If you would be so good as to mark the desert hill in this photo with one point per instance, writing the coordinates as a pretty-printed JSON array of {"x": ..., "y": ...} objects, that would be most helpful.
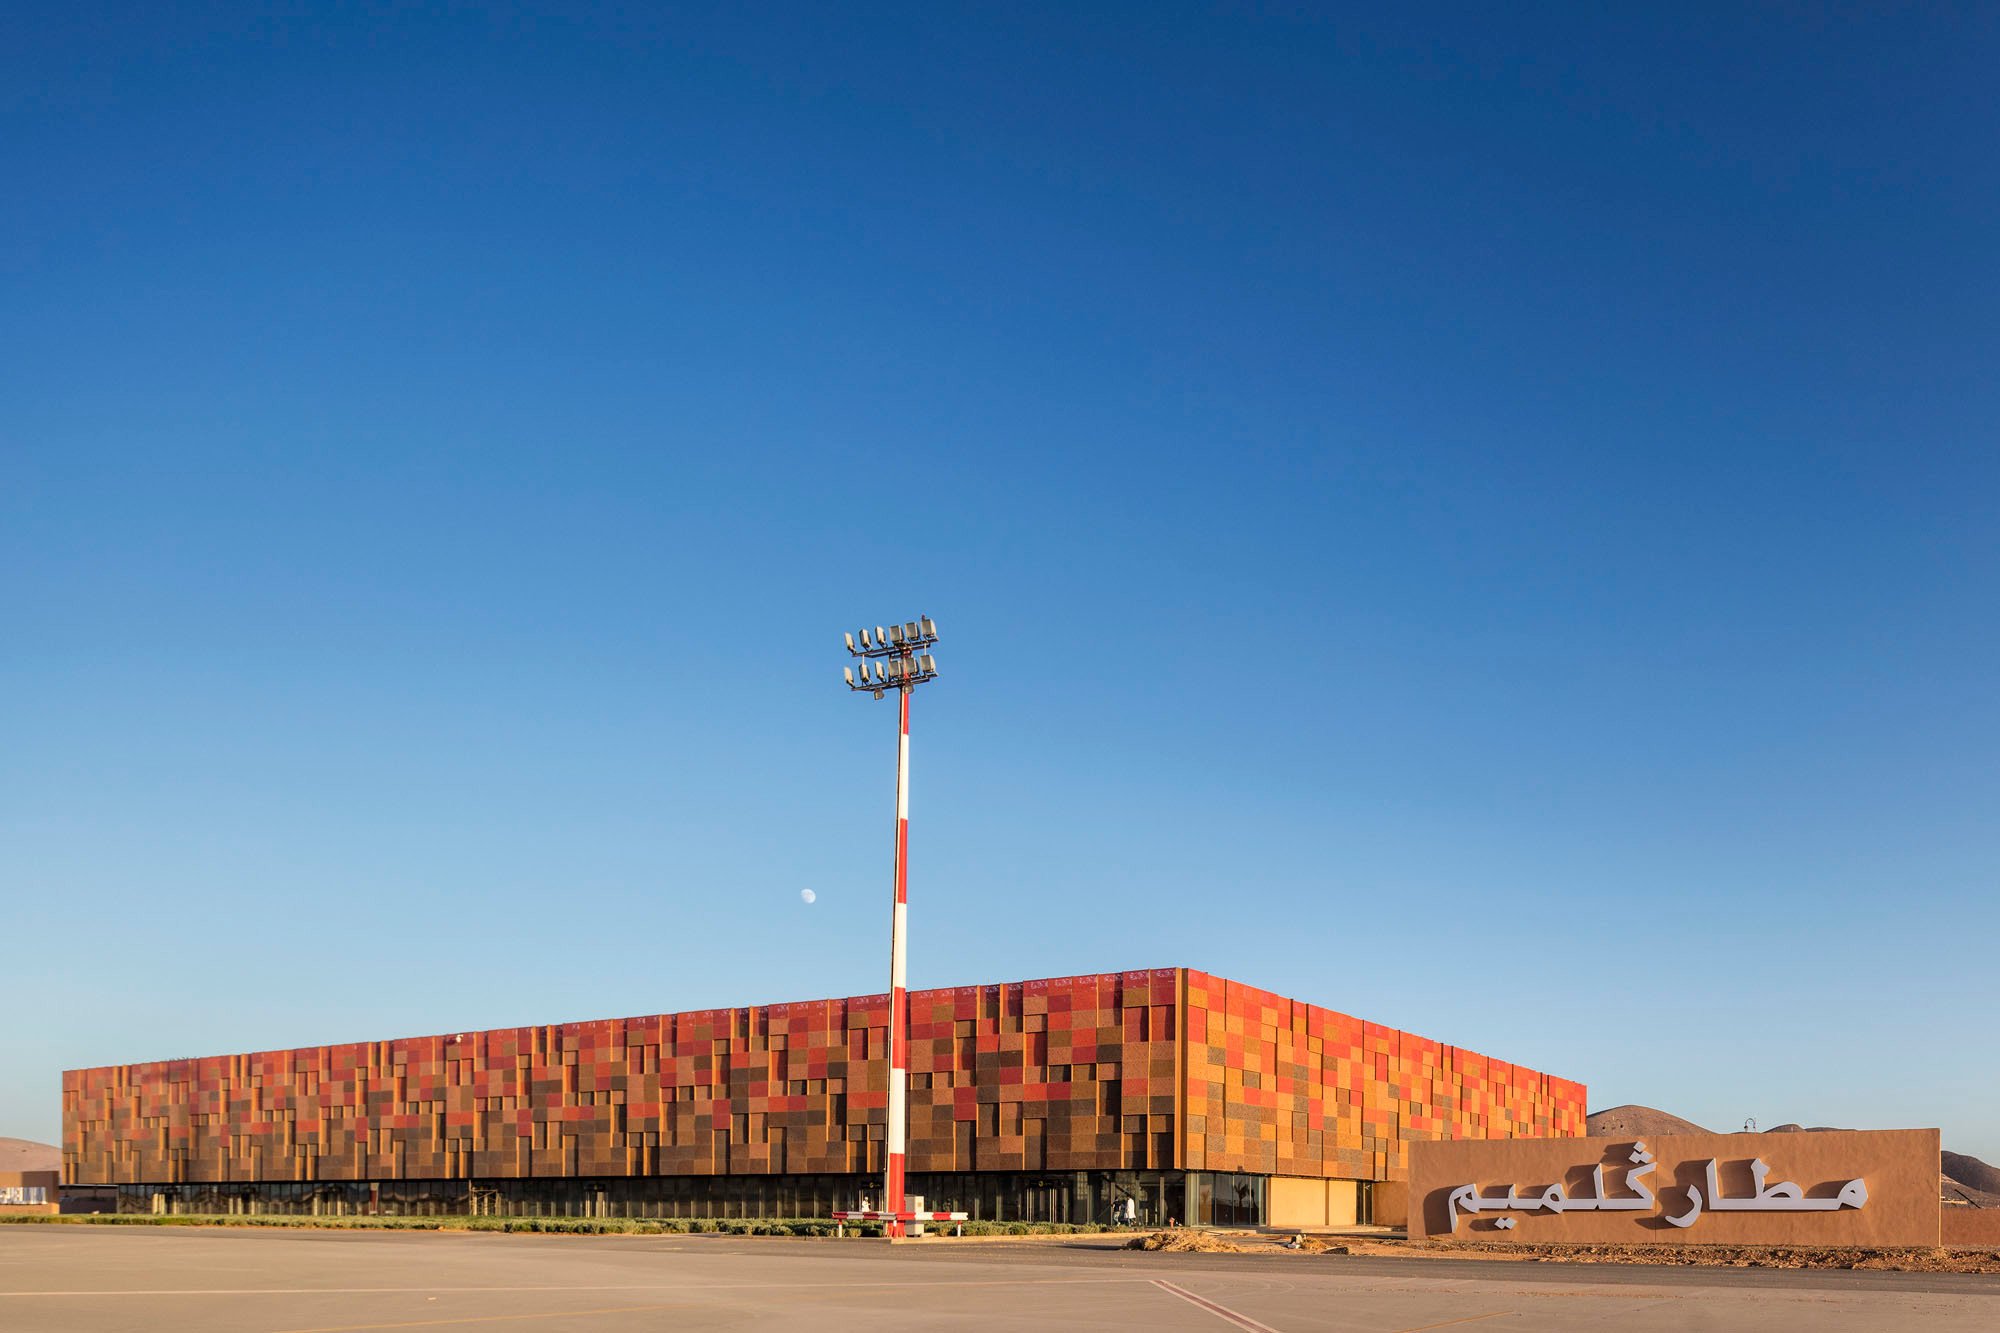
[
  {"x": 1962, "y": 1179},
  {"x": 28, "y": 1155},
  {"x": 1637, "y": 1122},
  {"x": 1972, "y": 1173}
]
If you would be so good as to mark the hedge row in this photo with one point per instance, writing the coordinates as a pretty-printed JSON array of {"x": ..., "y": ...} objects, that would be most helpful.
[{"x": 585, "y": 1226}]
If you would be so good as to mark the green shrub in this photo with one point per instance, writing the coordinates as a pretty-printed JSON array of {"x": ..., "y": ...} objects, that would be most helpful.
[{"x": 587, "y": 1226}]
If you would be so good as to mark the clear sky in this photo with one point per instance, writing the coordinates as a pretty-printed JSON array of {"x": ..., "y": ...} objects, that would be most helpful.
[{"x": 1483, "y": 520}]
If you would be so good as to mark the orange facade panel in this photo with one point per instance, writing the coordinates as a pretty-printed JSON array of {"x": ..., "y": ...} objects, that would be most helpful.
[{"x": 1280, "y": 1087}]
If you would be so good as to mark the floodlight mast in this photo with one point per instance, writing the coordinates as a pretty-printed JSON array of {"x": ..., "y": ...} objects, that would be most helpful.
[{"x": 908, "y": 664}]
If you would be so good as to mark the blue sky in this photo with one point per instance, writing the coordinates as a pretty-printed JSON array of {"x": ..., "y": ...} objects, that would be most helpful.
[{"x": 1484, "y": 521}]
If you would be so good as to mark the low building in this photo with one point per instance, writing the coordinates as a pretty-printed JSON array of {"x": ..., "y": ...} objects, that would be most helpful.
[
  {"x": 29, "y": 1176},
  {"x": 1198, "y": 1098}
]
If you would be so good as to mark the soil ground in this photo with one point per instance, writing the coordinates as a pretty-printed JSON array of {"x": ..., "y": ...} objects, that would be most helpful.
[{"x": 1941, "y": 1260}]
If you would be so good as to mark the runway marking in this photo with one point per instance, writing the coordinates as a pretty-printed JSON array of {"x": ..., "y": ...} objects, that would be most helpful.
[
  {"x": 1469, "y": 1319},
  {"x": 489, "y": 1318},
  {"x": 1223, "y": 1312}
]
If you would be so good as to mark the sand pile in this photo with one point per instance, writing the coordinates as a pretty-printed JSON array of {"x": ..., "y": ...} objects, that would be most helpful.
[{"x": 1181, "y": 1240}]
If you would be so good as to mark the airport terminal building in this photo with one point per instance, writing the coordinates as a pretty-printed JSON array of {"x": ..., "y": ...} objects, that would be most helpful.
[{"x": 1201, "y": 1099}]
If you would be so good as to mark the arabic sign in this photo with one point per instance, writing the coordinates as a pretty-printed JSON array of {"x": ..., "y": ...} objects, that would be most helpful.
[
  {"x": 20, "y": 1195},
  {"x": 1858, "y": 1187},
  {"x": 1783, "y": 1197}
]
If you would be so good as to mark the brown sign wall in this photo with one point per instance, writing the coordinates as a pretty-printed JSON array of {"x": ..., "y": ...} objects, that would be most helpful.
[
  {"x": 1898, "y": 1169},
  {"x": 11, "y": 1182}
]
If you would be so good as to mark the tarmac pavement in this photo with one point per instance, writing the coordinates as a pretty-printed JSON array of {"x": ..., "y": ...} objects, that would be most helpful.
[{"x": 94, "y": 1279}]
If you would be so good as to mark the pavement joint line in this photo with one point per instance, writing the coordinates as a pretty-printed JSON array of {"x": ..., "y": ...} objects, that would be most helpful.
[
  {"x": 1469, "y": 1319},
  {"x": 491, "y": 1318},
  {"x": 591, "y": 1286},
  {"x": 1222, "y": 1312}
]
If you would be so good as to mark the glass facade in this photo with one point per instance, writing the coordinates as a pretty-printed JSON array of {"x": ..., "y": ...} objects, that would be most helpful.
[
  {"x": 1226, "y": 1199},
  {"x": 1201, "y": 1198}
]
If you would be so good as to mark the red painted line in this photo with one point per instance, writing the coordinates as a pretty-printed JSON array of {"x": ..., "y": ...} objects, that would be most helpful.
[{"x": 1222, "y": 1312}]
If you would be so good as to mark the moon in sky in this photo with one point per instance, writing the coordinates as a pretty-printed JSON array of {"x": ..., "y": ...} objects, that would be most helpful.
[{"x": 807, "y": 896}]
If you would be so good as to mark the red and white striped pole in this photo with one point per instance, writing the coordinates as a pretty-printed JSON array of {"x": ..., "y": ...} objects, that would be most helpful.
[
  {"x": 899, "y": 1027},
  {"x": 899, "y": 659}
]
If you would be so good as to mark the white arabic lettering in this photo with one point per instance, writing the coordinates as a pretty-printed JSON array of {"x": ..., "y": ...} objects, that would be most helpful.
[{"x": 1782, "y": 1197}]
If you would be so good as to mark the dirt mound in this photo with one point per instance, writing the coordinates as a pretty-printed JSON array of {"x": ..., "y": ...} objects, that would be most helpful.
[
  {"x": 1636, "y": 1122},
  {"x": 1739, "y": 1256},
  {"x": 1181, "y": 1240},
  {"x": 28, "y": 1155}
]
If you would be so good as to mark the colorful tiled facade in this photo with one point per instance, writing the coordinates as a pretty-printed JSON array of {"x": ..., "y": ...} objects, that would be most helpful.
[
  {"x": 1280, "y": 1087},
  {"x": 1168, "y": 1069}
]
